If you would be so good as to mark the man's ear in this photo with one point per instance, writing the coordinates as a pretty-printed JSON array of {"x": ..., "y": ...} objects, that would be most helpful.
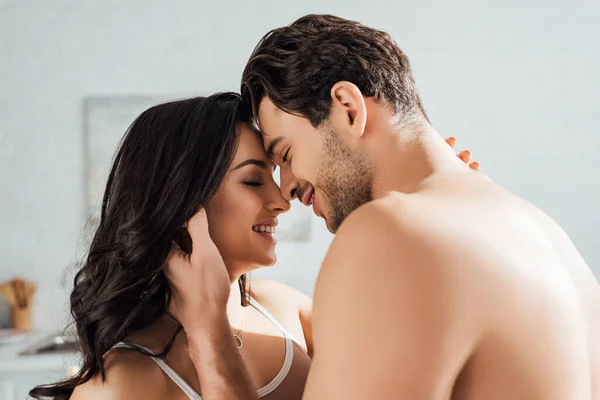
[{"x": 348, "y": 111}]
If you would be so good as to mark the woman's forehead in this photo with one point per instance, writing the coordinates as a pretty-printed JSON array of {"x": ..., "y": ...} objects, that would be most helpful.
[{"x": 251, "y": 144}]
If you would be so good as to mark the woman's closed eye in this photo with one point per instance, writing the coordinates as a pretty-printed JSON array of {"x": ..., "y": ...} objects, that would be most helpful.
[
  {"x": 285, "y": 156},
  {"x": 252, "y": 183}
]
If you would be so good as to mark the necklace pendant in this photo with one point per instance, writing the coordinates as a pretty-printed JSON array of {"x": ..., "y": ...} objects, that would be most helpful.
[{"x": 238, "y": 340}]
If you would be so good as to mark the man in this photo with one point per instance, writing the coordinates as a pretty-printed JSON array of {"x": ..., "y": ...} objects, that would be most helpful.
[{"x": 439, "y": 283}]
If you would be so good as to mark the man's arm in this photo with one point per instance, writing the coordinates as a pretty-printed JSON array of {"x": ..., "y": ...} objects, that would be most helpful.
[
  {"x": 388, "y": 319},
  {"x": 200, "y": 289},
  {"x": 218, "y": 363}
]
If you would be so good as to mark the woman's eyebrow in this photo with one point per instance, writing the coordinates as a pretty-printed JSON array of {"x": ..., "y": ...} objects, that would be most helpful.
[{"x": 252, "y": 161}]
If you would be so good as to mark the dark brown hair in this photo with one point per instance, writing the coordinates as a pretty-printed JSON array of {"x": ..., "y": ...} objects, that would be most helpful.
[
  {"x": 169, "y": 164},
  {"x": 297, "y": 65}
]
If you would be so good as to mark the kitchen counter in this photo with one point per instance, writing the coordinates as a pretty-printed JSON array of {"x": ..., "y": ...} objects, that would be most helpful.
[
  {"x": 20, "y": 373},
  {"x": 11, "y": 361}
]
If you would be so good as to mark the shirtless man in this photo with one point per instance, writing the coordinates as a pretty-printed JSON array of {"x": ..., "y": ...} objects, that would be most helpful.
[{"x": 439, "y": 284}]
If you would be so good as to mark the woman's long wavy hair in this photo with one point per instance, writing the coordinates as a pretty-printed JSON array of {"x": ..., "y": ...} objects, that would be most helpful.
[{"x": 170, "y": 163}]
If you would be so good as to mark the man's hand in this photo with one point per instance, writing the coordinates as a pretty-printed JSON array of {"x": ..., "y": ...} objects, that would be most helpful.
[
  {"x": 200, "y": 289},
  {"x": 199, "y": 281},
  {"x": 464, "y": 155}
]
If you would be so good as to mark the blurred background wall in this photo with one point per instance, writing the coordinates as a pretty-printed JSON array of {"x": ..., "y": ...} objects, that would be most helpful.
[{"x": 516, "y": 82}]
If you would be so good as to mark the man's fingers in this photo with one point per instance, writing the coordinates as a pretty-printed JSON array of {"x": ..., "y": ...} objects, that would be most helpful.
[
  {"x": 465, "y": 155},
  {"x": 197, "y": 227},
  {"x": 451, "y": 141},
  {"x": 175, "y": 254},
  {"x": 475, "y": 165},
  {"x": 175, "y": 258},
  {"x": 198, "y": 220}
]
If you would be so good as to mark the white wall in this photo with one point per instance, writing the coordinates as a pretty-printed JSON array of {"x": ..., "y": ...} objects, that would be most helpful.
[{"x": 516, "y": 82}]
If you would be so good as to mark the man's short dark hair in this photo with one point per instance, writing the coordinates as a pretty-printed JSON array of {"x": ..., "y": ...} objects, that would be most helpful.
[{"x": 297, "y": 65}]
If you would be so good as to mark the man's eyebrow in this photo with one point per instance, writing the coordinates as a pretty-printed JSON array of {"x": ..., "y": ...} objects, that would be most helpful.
[
  {"x": 252, "y": 161},
  {"x": 272, "y": 145}
]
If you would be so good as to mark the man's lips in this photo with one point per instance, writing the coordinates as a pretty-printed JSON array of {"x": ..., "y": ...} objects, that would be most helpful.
[
  {"x": 315, "y": 205},
  {"x": 306, "y": 196},
  {"x": 309, "y": 198}
]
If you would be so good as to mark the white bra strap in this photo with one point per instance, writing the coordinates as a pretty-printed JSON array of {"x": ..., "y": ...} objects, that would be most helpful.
[
  {"x": 289, "y": 350},
  {"x": 283, "y": 372},
  {"x": 167, "y": 370},
  {"x": 287, "y": 363},
  {"x": 271, "y": 318}
]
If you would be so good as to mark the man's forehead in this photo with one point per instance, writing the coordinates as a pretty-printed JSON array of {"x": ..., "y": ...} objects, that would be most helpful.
[
  {"x": 268, "y": 113},
  {"x": 270, "y": 145},
  {"x": 269, "y": 137}
]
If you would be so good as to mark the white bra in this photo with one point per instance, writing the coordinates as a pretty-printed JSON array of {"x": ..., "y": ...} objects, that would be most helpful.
[{"x": 270, "y": 387}]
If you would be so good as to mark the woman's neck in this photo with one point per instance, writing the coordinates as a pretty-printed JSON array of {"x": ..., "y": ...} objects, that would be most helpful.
[{"x": 234, "y": 305}]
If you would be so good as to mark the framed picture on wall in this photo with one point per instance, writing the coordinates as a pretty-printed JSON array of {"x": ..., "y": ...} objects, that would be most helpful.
[{"x": 106, "y": 119}]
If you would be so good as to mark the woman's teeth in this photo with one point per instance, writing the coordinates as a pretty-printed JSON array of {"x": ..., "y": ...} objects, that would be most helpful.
[{"x": 264, "y": 229}]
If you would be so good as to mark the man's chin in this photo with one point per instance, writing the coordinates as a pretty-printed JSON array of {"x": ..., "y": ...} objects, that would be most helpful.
[
  {"x": 330, "y": 227},
  {"x": 334, "y": 222}
]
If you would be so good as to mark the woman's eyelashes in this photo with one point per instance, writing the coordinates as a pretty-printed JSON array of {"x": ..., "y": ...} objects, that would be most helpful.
[
  {"x": 285, "y": 156},
  {"x": 253, "y": 182}
]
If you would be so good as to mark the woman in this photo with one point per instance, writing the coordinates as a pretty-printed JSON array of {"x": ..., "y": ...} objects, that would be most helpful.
[{"x": 175, "y": 159}]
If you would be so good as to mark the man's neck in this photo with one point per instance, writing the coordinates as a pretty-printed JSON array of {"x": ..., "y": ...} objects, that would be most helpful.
[{"x": 405, "y": 157}]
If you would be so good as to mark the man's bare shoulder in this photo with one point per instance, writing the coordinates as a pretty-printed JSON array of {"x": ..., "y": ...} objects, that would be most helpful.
[
  {"x": 390, "y": 237},
  {"x": 397, "y": 220},
  {"x": 129, "y": 374},
  {"x": 385, "y": 278},
  {"x": 396, "y": 239},
  {"x": 398, "y": 212}
]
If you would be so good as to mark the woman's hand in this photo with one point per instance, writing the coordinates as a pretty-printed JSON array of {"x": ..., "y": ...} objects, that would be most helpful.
[
  {"x": 199, "y": 281},
  {"x": 464, "y": 155}
]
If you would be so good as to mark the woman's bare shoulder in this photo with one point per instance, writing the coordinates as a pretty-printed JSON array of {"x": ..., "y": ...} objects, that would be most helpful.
[
  {"x": 276, "y": 296},
  {"x": 129, "y": 374},
  {"x": 282, "y": 300}
]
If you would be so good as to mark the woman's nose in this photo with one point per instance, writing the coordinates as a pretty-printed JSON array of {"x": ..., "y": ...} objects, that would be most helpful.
[{"x": 279, "y": 205}]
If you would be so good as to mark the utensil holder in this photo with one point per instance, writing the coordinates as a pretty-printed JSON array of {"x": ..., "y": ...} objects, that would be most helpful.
[{"x": 21, "y": 318}]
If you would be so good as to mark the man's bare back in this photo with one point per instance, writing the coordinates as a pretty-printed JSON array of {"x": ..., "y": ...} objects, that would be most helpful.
[{"x": 518, "y": 306}]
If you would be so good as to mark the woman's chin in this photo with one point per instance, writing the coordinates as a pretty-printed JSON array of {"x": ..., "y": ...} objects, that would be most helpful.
[{"x": 268, "y": 260}]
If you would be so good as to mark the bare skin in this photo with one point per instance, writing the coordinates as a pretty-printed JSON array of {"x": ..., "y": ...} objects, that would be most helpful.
[{"x": 445, "y": 286}]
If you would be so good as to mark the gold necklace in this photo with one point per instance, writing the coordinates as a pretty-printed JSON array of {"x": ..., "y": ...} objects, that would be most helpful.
[{"x": 238, "y": 338}]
